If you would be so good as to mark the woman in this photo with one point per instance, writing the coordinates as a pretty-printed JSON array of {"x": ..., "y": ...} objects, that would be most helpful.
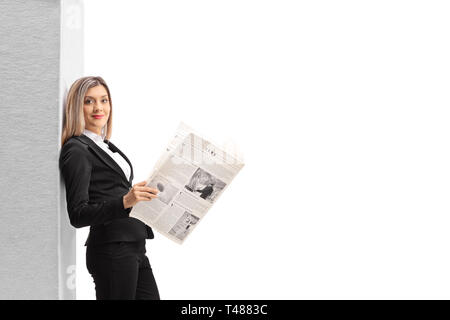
[{"x": 99, "y": 193}]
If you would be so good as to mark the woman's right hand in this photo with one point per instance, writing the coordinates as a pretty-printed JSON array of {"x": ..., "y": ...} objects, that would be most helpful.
[{"x": 139, "y": 192}]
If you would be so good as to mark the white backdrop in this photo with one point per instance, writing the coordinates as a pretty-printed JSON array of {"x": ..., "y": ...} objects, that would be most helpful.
[{"x": 341, "y": 110}]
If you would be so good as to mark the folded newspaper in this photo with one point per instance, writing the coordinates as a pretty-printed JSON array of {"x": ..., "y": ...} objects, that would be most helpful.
[{"x": 190, "y": 176}]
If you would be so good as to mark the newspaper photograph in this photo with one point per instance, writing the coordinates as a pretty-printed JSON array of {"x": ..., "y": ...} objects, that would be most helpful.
[{"x": 190, "y": 176}]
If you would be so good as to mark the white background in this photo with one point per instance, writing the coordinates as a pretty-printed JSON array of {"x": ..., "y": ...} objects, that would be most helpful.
[{"x": 341, "y": 109}]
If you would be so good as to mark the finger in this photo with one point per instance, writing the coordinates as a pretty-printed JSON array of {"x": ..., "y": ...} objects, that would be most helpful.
[
  {"x": 140, "y": 184},
  {"x": 147, "y": 189},
  {"x": 147, "y": 195},
  {"x": 152, "y": 190}
]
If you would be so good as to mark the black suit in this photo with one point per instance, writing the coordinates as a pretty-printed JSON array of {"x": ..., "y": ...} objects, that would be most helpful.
[{"x": 95, "y": 186}]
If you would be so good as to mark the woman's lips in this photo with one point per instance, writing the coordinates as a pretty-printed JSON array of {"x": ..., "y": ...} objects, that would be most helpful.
[{"x": 98, "y": 117}]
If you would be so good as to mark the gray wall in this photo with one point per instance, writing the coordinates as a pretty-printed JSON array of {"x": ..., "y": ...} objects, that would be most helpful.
[{"x": 41, "y": 54}]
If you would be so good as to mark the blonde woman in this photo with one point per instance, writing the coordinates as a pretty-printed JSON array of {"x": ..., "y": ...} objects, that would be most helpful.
[{"x": 99, "y": 193}]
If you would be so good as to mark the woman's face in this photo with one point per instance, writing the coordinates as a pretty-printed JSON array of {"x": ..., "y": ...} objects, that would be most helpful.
[{"x": 96, "y": 109}]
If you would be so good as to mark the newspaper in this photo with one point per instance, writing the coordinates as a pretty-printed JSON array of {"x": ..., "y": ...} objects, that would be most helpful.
[{"x": 191, "y": 174}]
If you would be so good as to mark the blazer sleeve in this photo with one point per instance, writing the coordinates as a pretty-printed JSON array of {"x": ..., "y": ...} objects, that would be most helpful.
[{"x": 76, "y": 170}]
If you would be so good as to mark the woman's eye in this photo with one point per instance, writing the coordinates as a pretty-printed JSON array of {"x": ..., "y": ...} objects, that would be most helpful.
[{"x": 89, "y": 101}]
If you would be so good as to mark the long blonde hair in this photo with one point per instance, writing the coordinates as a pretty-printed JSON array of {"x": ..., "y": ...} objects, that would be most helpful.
[{"x": 73, "y": 122}]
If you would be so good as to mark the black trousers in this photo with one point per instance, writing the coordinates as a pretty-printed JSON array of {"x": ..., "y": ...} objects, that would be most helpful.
[{"x": 121, "y": 270}]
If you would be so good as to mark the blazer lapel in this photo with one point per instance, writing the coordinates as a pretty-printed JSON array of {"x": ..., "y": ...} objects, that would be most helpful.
[
  {"x": 113, "y": 148},
  {"x": 106, "y": 157}
]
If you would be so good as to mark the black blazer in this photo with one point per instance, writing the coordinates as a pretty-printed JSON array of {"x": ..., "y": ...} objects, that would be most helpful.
[{"x": 95, "y": 186}]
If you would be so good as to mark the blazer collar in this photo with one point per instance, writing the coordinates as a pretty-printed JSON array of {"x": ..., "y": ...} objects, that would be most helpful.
[{"x": 106, "y": 158}]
